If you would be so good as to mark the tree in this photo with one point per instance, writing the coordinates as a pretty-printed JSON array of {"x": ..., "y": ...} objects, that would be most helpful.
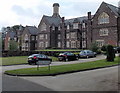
[
  {"x": 110, "y": 53},
  {"x": 13, "y": 45}
]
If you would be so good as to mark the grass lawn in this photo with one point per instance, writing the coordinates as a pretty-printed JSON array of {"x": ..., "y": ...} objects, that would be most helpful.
[
  {"x": 17, "y": 60},
  {"x": 64, "y": 68}
]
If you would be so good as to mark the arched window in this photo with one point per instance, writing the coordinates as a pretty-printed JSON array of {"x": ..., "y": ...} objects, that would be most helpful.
[{"x": 103, "y": 18}]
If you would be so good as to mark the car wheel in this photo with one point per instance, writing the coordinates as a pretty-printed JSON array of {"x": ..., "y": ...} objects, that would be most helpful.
[
  {"x": 87, "y": 56},
  {"x": 66, "y": 59},
  {"x": 30, "y": 63}
]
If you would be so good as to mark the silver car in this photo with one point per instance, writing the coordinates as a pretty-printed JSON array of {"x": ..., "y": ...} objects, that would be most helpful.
[{"x": 87, "y": 53}]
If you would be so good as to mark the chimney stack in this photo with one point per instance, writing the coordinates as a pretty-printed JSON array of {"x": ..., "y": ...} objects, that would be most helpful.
[
  {"x": 89, "y": 15},
  {"x": 56, "y": 9}
]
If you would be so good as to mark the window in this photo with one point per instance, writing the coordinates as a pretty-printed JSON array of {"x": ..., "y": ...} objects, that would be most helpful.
[
  {"x": 41, "y": 44},
  {"x": 83, "y": 35},
  {"x": 103, "y": 32},
  {"x": 83, "y": 44},
  {"x": 67, "y": 36},
  {"x": 33, "y": 37},
  {"x": 68, "y": 27},
  {"x": 103, "y": 18},
  {"x": 46, "y": 44},
  {"x": 59, "y": 28},
  {"x": 75, "y": 26},
  {"x": 26, "y": 37},
  {"x": 100, "y": 43},
  {"x": 68, "y": 44},
  {"x": 73, "y": 35},
  {"x": 43, "y": 27},
  {"x": 59, "y": 36},
  {"x": 83, "y": 25},
  {"x": 73, "y": 44},
  {"x": 46, "y": 36},
  {"x": 41, "y": 36},
  {"x": 59, "y": 44}
]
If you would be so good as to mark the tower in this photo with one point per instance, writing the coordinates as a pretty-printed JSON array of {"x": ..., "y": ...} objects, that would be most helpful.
[{"x": 55, "y": 10}]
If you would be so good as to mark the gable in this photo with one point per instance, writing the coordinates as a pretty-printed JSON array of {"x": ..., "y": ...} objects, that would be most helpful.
[{"x": 108, "y": 8}]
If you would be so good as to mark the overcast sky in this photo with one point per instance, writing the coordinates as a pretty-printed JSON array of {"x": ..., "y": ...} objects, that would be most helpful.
[{"x": 30, "y": 12}]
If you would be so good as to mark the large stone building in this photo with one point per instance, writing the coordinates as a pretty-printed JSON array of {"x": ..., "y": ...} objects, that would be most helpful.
[
  {"x": 56, "y": 32},
  {"x": 103, "y": 28},
  {"x": 78, "y": 33}
]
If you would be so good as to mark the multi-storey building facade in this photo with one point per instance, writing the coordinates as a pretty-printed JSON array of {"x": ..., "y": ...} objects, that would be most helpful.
[
  {"x": 104, "y": 26},
  {"x": 56, "y": 32},
  {"x": 29, "y": 38}
]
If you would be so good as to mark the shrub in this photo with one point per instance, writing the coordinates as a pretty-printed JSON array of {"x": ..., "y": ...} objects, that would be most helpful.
[
  {"x": 94, "y": 47},
  {"x": 104, "y": 48},
  {"x": 110, "y": 53}
]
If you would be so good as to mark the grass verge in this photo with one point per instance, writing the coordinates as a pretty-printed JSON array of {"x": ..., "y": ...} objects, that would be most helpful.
[
  {"x": 63, "y": 68},
  {"x": 17, "y": 60},
  {"x": 60, "y": 50}
]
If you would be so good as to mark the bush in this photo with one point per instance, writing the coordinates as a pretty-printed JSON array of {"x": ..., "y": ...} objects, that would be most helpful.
[
  {"x": 104, "y": 48},
  {"x": 110, "y": 53},
  {"x": 94, "y": 47}
]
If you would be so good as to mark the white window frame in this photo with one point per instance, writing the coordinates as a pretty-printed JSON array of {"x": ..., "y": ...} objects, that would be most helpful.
[
  {"x": 68, "y": 44},
  {"x": 68, "y": 27},
  {"x": 67, "y": 35},
  {"x": 41, "y": 36},
  {"x": 100, "y": 43},
  {"x": 59, "y": 36},
  {"x": 75, "y": 26},
  {"x": 103, "y": 18},
  {"x": 73, "y": 34},
  {"x": 43, "y": 27},
  {"x": 104, "y": 32},
  {"x": 59, "y": 44},
  {"x": 26, "y": 37}
]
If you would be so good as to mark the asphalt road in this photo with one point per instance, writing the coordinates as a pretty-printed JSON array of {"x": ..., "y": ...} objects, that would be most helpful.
[{"x": 95, "y": 80}]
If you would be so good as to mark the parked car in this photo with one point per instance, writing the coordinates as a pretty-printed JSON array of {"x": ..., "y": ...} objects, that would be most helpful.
[
  {"x": 34, "y": 58},
  {"x": 117, "y": 49},
  {"x": 67, "y": 56},
  {"x": 87, "y": 53}
]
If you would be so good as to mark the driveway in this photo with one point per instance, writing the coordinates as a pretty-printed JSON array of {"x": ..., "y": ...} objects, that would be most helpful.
[{"x": 4, "y": 68}]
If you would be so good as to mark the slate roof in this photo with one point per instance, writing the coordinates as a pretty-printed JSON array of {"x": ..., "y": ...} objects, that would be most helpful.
[
  {"x": 32, "y": 30},
  {"x": 113, "y": 8},
  {"x": 73, "y": 20},
  {"x": 52, "y": 20}
]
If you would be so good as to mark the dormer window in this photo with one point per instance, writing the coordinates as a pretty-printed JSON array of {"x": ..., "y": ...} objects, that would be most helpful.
[
  {"x": 43, "y": 27},
  {"x": 75, "y": 26},
  {"x": 103, "y": 18}
]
